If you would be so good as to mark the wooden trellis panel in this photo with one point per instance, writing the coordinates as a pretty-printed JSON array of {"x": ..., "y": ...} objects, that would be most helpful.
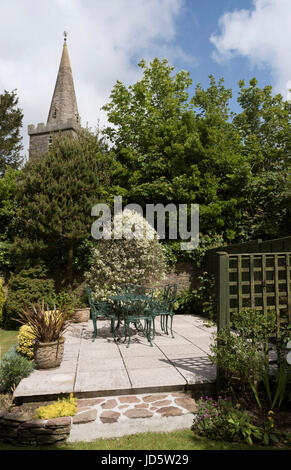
[{"x": 261, "y": 281}]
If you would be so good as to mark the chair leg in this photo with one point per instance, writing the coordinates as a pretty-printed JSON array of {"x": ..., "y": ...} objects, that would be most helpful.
[
  {"x": 171, "y": 327},
  {"x": 166, "y": 324},
  {"x": 94, "y": 328},
  {"x": 154, "y": 328},
  {"x": 162, "y": 322},
  {"x": 124, "y": 332},
  {"x": 148, "y": 330},
  {"x": 112, "y": 329},
  {"x": 129, "y": 336}
]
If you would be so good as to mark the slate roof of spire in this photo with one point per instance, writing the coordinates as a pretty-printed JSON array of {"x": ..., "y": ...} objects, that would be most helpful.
[{"x": 64, "y": 103}]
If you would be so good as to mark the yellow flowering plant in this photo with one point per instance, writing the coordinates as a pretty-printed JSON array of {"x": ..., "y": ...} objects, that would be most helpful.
[{"x": 60, "y": 408}]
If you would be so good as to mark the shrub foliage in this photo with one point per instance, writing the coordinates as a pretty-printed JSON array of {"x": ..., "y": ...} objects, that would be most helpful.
[{"x": 137, "y": 261}]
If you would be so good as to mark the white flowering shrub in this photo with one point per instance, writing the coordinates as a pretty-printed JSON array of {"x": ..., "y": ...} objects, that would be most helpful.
[{"x": 136, "y": 257}]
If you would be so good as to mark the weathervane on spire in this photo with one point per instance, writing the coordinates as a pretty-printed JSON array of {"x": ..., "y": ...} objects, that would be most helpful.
[{"x": 65, "y": 35}]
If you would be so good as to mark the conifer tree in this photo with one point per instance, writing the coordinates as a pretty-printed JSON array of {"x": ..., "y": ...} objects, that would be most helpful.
[
  {"x": 10, "y": 125},
  {"x": 57, "y": 192}
]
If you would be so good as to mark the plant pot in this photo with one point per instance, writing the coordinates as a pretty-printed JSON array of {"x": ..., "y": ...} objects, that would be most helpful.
[
  {"x": 81, "y": 315},
  {"x": 49, "y": 355}
]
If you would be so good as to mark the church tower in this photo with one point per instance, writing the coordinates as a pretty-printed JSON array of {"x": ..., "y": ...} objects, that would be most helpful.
[{"x": 63, "y": 114}]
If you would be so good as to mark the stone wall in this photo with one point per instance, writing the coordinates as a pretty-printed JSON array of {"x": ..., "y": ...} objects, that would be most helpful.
[
  {"x": 22, "y": 429},
  {"x": 184, "y": 274},
  {"x": 39, "y": 143},
  {"x": 96, "y": 418}
]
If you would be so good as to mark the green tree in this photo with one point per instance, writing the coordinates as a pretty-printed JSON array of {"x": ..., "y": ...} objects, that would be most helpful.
[
  {"x": 8, "y": 216},
  {"x": 8, "y": 212},
  {"x": 152, "y": 134},
  {"x": 264, "y": 125},
  {"x": 220, "y": 162},
  {"x": 173, "y": 148},
  {"x": 10, "y": 125},
  {"x": 56, "y": 194},
  {"x": 170, "y": 148}
]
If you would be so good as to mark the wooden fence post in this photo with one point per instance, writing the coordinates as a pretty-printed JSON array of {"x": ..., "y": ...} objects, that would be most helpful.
[
  {"x": 222, "y": 290},
  {"x": 222, "y": 286}
]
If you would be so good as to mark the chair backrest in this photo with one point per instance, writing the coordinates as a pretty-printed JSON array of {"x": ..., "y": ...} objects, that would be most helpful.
[
  {"x": 171, "y": 296},
  {"x": 166, "y": 292},
  {"x": 89, "y": 295},
  {"x": 125, "y": 288},
  {"x": 135, "y": 289},
  {"x": 143, "y": 290}
]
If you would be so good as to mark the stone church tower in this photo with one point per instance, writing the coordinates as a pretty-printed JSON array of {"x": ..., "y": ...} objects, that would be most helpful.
[{"x": 63, "y": 114}]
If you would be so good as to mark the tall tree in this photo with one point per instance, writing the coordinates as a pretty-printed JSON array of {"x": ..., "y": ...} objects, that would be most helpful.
[
  {"x": 57, "y": 192},
  {"x": 151, "y": 133},
  {"x": 265, "y": 128},
  {"x": 171, "y": 148},
  {"x": 8, "y": 205},
  {"x": 10, "y": 124}
]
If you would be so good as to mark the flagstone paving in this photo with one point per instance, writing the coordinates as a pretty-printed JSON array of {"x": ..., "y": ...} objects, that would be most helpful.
[
  {"x": 104, "y": 368},
  {"x": 116, "y": 416}
]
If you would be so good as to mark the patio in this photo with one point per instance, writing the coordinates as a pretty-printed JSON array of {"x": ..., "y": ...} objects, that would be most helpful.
[{"x": 105, "y": 368}]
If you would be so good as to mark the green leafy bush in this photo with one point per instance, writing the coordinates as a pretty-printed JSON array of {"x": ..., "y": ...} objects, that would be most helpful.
[
  {"x": 2, "y": 301},
  {"x": 13, "y": 368},
  {"x": 77, "y": 298},
  {"x": 243, "y": 356},
  {"x": 136, "y": 260},
  {"x": 220, "y": 420},
  {"x": 174, "y": 254},
  {"x": 6, "y": 260},
  {"x": 201, "y": 301},
  {"x": 25, "y": 288},
  {"x": 204, "y": 298}
]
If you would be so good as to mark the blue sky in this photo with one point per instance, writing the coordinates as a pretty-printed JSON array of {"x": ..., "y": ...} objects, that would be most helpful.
[
  {"x": 233, "y": 39},
  {"x": 195, "y": 26}
]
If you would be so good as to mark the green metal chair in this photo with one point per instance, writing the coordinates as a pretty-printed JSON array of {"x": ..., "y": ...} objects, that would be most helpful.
[
  {"x": 98, "y": 310},
  {"x": 136, "y": 311},
  {"x": 165, "y": 309},
  {"x": 135, "y": 289}
]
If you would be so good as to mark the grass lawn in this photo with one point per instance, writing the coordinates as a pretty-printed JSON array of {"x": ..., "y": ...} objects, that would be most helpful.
[
  {"x": 7, "y": 339},
  {"x": 178, "y": 440}
]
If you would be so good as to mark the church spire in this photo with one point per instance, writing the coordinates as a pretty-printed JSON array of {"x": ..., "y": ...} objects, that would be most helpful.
[{"x": 64, "y": 103}]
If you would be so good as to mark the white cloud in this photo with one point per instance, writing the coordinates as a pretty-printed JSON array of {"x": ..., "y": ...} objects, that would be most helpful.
[
  {"x": 263, "y": 35},
  {"x": 105, "y": 36}
]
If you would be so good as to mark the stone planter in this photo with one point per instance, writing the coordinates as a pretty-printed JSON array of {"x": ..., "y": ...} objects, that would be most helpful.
[
  {"x": 81, "y": 315},
  {"x": 49, "y": 355}
]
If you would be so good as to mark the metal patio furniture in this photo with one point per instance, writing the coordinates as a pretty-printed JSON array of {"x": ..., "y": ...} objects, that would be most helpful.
[
  {"x": 164, "y": 308},
  {"x": 133, "y": 306},
  {"x": 98, "y": 310},
  {"x": 138, "y": 313}
]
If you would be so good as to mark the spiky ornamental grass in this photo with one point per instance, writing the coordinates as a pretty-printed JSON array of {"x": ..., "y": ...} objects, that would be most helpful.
[{"x": 46, "y": 325}]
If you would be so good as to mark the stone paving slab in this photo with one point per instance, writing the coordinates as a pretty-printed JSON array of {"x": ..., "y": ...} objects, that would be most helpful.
[
  {"x": 152, "y": 362},
  {"x": 103, "y": 367},
  {"x": 151, "y": 378},
  {"x": 109, "y": 380},
  {"x": 115, "y": 416}
]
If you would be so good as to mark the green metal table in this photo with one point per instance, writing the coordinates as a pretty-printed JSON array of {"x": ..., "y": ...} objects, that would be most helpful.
[{"x": 132, "y": 308}]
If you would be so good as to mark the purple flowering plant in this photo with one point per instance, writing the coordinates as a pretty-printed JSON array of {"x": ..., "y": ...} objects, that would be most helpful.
[
  {"x": 210, "y": 415},
  {"x": 221, "y": 420}
]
